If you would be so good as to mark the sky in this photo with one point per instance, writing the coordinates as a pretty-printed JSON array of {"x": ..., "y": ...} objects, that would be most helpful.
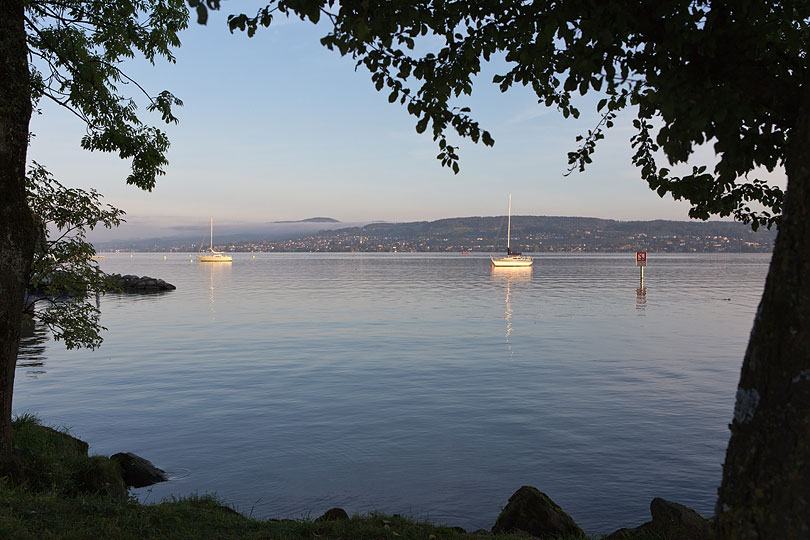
[{"x": 277, "y": 127}]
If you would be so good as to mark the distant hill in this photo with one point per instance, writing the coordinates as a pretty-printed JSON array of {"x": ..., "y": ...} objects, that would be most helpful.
[
  {"x": 312, "y": 220},
  {"x": 532, "y": 234},
  {"x": 188, "y": 236}
]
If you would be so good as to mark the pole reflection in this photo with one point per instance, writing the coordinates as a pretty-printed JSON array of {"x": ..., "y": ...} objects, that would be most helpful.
[{"x": 641, "y": 300}]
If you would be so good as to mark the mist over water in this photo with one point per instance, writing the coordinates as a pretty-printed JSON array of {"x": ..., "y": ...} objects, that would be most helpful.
[{"x": 424, "y": 385}]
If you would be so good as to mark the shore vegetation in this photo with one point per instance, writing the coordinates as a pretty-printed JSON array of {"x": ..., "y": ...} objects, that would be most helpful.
[{"x": 60, "y": 492}]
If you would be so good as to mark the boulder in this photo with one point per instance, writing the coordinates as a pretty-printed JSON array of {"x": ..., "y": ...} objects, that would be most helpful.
[
  {"x": 61, "y": 442},
  {"x": 138, "y": 472},
  {"x": 670, "y": 520},
  {"x": 139, "y": 284},
  {"x": 99, "y": 475},
  {"x": 227, "y": 509},
  {"x": 334, "y": 514},
  {"x": 532, "y": 511}
]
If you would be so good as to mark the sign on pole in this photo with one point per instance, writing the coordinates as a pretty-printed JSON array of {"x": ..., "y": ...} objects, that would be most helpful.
[{"x": 641, "y": 258}]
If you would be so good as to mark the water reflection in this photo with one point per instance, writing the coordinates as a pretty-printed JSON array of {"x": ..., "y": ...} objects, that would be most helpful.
[
  {"x": 215, "y": 272},
  {"x": 641, "y": 299},
  {"x": 315, "y": 342},
  {"x": 508, "y": 276},
  {"x": 31, "y": 354}
]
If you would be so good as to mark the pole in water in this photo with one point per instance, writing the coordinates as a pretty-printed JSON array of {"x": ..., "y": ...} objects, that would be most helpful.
[{"x": 641, "y": 262}]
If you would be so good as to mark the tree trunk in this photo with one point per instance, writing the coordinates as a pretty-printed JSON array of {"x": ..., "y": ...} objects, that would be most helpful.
[
  {"x": 17, "y": 232},
  {"x": 765, "y": 492}
]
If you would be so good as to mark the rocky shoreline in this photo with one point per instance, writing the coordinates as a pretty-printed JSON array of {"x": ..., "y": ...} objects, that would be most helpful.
[
  {"x": 532, "y": 511},
  {"x": 529, "y": 512},
  {"x": 130, "y": 283}
]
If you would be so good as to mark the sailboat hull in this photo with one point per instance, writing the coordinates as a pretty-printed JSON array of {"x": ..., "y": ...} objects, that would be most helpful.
[
  {"x": 514, "y": 261},
  {"x": 214, "y": 258}
]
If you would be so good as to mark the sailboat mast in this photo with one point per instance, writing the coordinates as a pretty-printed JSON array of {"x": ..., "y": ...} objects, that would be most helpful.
[
  {"x": 212, "y": 234},
  {"x": 509, "y": 223}
]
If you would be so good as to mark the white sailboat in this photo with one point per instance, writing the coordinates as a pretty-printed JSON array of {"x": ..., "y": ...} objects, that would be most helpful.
[
  {"x": 512, "y": 258},
  {"x": 210, "y": 255}
]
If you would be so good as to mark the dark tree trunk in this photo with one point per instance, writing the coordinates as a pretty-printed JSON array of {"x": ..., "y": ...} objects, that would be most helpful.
[
  {"x": 765, "y": 492},
  {"x": 17, "y": 233}
]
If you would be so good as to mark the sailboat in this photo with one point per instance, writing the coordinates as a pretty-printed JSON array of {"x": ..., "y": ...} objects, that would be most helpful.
[
  {"x": 210, "y": 255},
  {"x": 512, "y": 258}
]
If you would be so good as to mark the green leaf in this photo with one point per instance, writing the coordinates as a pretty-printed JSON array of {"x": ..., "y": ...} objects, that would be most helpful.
[
  {"x": 202, "y": 14},
  {"x": 421, "y": 125}
]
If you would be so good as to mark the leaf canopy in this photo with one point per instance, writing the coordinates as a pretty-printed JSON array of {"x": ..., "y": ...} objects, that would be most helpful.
[
  {"x": 76, "y": 49},
  {"x": 64, "y": 273}
]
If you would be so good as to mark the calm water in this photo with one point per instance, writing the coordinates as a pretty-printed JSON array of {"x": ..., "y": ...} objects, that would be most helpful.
[{"x": 430, "y": 386}]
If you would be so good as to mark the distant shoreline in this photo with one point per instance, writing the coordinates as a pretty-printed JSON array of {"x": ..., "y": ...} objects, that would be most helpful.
[{"x": 529, "y": 234}]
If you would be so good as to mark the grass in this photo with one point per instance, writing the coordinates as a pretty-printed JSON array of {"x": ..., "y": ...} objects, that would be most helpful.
[
  {"x": 54, "y": 461},
  {"x": 43, "y": 516},
  {"x": 65, "y": 494}
]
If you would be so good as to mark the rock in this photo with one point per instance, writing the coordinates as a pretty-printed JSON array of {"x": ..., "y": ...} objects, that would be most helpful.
[
  {"x": 670, "y": 520},
  {"x": 334, "y": 514},
  {"x": 138, "y": 472},
  {"x": 100, "y": 476},
  {"x": 145, "y": 284},
  {"x": 62, "y": 442},
  {"x": 532, "y": 511},
  {"x": 227, "y": 509},
  {"x": 671, "y": 516}
]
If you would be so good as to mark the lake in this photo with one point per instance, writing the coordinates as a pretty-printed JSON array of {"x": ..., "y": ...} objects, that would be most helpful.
[{"x": 431, "y": 386}]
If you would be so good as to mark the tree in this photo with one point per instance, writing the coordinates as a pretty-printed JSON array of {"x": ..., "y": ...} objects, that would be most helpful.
[
  {"x": 731, "y": 74},
  {"x": 64, "y": 272},
  {"x": 70, "y": 52}
]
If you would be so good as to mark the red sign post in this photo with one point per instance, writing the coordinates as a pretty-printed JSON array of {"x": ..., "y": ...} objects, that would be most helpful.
[{"x": 641, "y": 262}]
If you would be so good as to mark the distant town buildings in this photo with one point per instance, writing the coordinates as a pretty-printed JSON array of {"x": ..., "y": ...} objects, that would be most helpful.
[
  {"x": 534, "y": 234},
  {"x": 356, "y": 242}
]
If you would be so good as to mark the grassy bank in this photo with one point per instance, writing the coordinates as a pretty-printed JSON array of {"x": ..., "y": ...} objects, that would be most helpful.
[
  {"x": 58, "y": 492},
  {"x": 25, "y": 515}
]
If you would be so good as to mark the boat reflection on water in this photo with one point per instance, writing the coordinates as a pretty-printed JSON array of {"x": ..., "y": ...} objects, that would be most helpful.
[
  {"x": 31, "y": 353},
  {"x": 509, "y": 276},
  {"x": 216, "y": 273}
]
